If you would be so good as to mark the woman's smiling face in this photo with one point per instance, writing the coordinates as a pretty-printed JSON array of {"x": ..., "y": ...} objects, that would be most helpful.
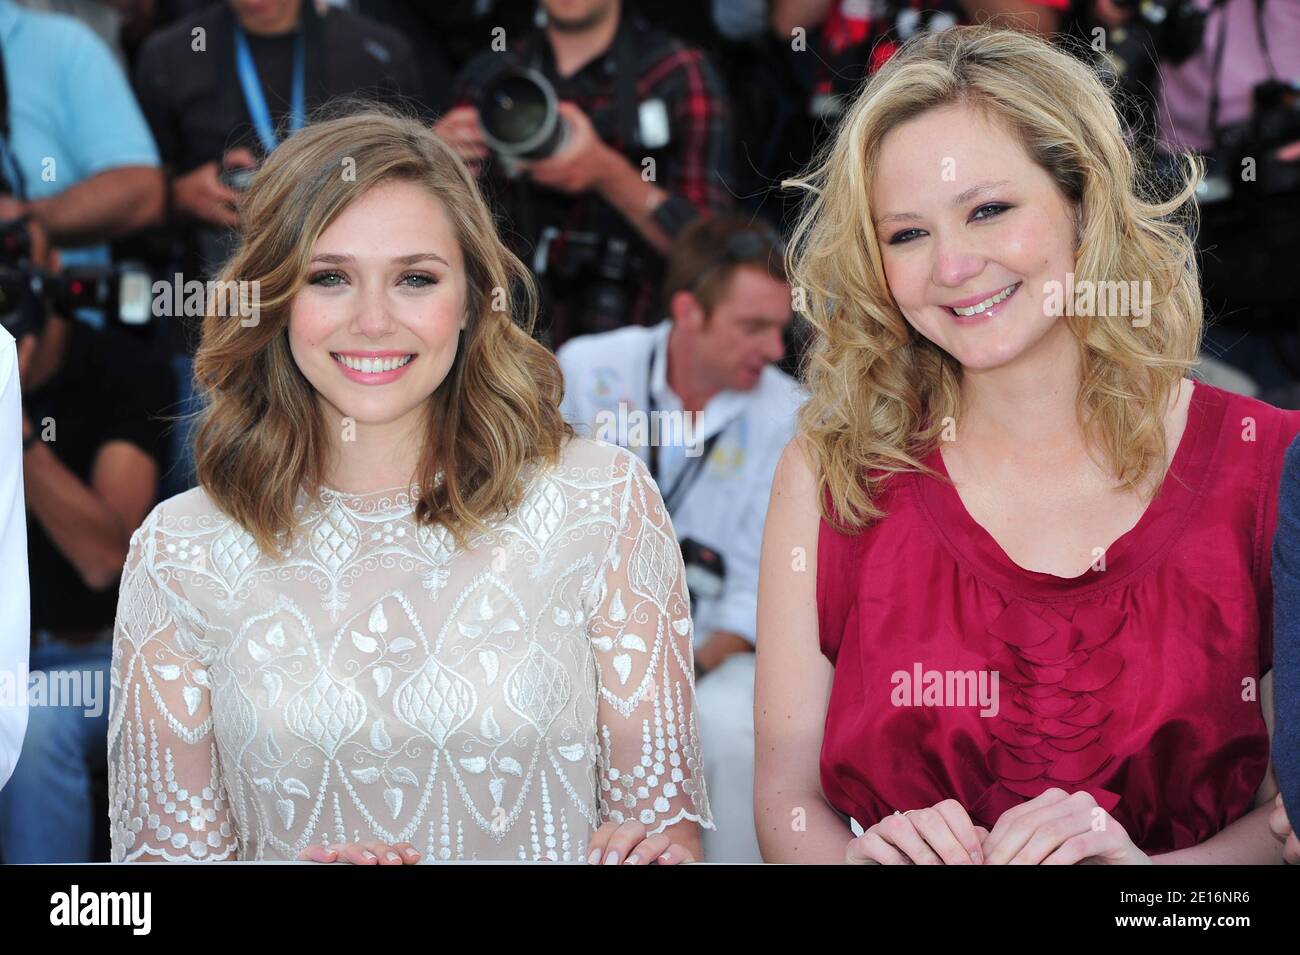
[
  {"x": 971, "y": 231},
  {"x": 376, "y": 326}
]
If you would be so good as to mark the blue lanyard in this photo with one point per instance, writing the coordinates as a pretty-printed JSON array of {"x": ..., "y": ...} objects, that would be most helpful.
[{"x": 256, "y": 100}]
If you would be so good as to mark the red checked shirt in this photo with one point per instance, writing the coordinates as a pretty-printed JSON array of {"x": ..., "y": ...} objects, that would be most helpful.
[{"x": 692, "y": 166}]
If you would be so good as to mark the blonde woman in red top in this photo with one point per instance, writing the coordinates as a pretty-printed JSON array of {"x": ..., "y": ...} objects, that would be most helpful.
[{"x": 1014, "y": 600}]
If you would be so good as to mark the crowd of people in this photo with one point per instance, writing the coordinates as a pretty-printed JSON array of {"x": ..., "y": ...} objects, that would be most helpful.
[{"x": 601, "y": 494}]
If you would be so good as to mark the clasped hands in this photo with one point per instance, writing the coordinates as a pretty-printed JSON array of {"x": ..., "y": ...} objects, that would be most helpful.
[
  {"x": 1055, "y": 828},
  {"x": 613, "y": 843}
]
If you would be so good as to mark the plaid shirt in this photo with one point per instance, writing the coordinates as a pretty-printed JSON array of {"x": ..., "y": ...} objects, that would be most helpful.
[{"x": 692, "y": 168}]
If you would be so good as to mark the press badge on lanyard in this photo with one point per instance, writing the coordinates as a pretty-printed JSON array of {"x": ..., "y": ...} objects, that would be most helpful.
[{"x": 256, "y": 100}]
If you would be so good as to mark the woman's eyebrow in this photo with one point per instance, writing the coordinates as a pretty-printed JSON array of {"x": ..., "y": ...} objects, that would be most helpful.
[
  {"x": 336, "y": 258},
  {"x": 958, "y": 200}
]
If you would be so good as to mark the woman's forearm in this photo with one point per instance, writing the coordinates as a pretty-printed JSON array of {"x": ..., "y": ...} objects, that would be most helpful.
[
  {"x": 1247, "y": 841},
  {"x": 796, "y": 826}
]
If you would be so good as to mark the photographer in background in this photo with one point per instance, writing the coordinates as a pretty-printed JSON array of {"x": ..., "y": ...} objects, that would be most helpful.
[
  {"x": 91, "y": 453},
  {"x": 645, "y": 149},
  {"x": 1236, "y": 101},
  {"x": 218, "y": 106},
  {"x": 76, "y": 164},
  {"x": 713, "y": 359},
  {"x": 76, "y": 158}
]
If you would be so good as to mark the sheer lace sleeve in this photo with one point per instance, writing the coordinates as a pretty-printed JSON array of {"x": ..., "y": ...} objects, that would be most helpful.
[
  {"x": 649, "y": 757},
  {"x": 166, "y": 796}
]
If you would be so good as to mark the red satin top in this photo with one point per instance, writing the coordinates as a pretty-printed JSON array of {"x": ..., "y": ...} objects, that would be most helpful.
[{"x": 1137, "y": 683}]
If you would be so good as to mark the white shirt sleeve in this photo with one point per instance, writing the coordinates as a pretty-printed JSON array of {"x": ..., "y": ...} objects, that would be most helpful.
[
  {"x": 15, "y": 597},
  {"x": 571, "y": 408}
]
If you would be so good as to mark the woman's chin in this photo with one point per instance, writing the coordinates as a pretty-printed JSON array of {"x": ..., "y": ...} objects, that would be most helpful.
[{"x": 987, "y": 357}]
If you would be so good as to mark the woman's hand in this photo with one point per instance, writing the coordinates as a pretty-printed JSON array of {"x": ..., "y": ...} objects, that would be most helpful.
[
  {"x": 942, "y": 834},
  {"x": 1059, "y": 828},
  {"x": 1281, "y": 827},
  {"x": 363, "y": 853},
  {"x": 627, "y": 844}
]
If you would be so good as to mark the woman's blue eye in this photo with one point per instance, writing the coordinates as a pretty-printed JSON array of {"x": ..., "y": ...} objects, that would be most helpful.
[
  {"x": 424, "y": 280},
  {"x": 320, "y": 277},
  {"x": 990, "y": 208}
]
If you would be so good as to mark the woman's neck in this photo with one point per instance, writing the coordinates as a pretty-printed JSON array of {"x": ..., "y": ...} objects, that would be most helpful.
[
  {"x": 687, "y": 382},
  {"x": 373, "y": 457},
  {"x": 1027, "y": 408}
]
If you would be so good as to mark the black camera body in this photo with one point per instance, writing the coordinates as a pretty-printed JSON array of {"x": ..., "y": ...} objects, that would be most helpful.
[
  {"x": 28, "y": 294},
  {"x": 706, "y": 571},
  {"x": 1274, "y": 122}
]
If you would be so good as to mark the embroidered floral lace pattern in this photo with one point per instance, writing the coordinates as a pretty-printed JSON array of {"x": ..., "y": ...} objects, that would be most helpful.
[{"x": 497, "y": 701}]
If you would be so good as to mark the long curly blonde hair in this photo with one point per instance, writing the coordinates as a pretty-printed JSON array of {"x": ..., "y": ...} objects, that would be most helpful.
[
  {"x": 879, "y": 391},
  {"x": 262, "y": 435}
]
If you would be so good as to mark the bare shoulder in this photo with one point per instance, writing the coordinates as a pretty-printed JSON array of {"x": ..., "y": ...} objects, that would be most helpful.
[{"x": 795, "y": 481}]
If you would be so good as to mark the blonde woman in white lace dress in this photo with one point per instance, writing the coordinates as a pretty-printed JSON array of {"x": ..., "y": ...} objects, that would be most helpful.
[{"x": 406, "y": 616}]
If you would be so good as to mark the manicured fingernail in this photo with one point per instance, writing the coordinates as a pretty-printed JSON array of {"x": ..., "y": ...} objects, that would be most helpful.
[
  {"x": 666, "y": 856},
  {"x": 367, "y": 855},
  {"x": 412, "y": 854},
  {"x": 611, "y": 857},
  {"x": 594, "y": 858},
  {"x": 393, "y": 857},
  {"x": 633, "y": 859}
]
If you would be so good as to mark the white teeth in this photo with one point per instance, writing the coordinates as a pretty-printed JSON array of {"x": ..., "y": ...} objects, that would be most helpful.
[
  {"x": 371, "y": 365},
  {"x": 987, "y": 303}
]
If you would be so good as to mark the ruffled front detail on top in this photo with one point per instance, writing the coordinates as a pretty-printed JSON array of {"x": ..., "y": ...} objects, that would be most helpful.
[{"x": 1051, "y": 724}]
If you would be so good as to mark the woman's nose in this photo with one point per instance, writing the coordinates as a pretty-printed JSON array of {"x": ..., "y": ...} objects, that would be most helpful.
[
  {"x": 955, "y": 263},
  {"x": 372, "y": 315}
]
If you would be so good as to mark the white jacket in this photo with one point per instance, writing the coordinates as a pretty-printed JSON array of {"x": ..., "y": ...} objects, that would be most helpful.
[
  {"x": 15, "y": 597},
  {"x": 726, "y": 505}
]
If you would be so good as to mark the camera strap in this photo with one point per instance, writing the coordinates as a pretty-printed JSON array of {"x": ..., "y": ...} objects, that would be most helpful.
[
  {"x": 1263, "y": 39},
  {"x": 691, "y": 469},
  {"x": 1216, "y": 70}
]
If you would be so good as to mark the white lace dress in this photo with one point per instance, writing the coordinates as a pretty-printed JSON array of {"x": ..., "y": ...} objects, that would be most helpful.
[{"x": 495, "y": 702}]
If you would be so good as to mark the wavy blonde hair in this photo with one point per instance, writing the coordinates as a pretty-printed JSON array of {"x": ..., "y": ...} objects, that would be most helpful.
[
  {"x": 879, "y": 391},
  {"x": 262, "y": 434}
]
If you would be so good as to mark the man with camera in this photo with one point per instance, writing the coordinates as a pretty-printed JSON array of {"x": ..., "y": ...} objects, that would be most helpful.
[
  {"x": 91, "y": 450},
  {"x": 1229, "y": 88},
  {"x": 600, "y": 138},
  {"x": 698, "y": 398}
]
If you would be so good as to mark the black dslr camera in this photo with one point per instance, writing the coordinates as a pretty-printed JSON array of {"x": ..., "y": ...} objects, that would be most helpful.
[
  {"x": 28, "y": 293},
  {"x": 1274, "y": 122}
]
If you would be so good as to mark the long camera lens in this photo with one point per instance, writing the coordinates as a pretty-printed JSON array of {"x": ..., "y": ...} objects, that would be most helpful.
[{"x": 519, "y": 115}]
